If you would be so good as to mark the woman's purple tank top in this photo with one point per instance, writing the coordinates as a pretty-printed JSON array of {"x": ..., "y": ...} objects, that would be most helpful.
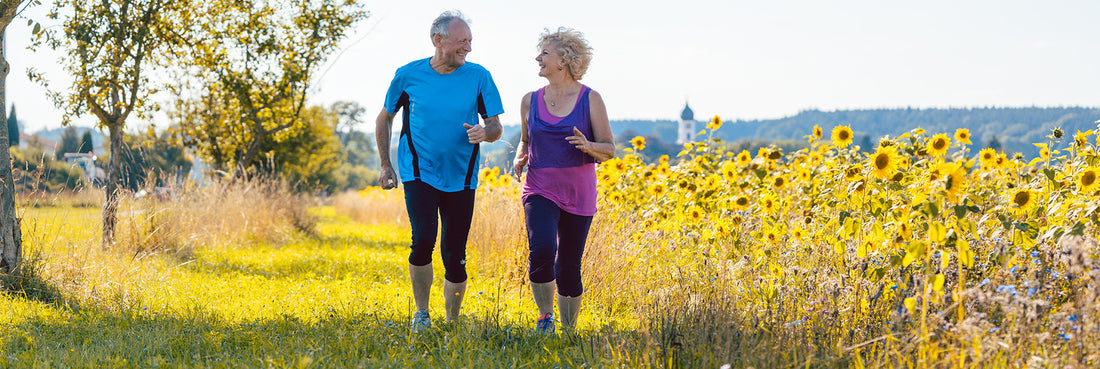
[{"x": 557, "y": 170}]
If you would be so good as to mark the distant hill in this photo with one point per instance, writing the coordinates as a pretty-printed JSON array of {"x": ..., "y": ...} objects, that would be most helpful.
[{"x": 1015, "y": 128}]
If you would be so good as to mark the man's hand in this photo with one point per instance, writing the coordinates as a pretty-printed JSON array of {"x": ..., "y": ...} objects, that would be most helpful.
[
  {"x": 475, "y": 132},
  {"x": 387, "y": 179}
]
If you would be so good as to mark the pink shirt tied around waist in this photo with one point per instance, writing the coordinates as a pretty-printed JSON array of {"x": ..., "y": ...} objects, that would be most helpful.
[{"x": 555, "y": 171}]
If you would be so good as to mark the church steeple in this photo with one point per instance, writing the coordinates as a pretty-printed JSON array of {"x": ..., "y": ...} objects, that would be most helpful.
[
  {"x": 687, "y": 114},
  {"x": 686, "y": 131}
]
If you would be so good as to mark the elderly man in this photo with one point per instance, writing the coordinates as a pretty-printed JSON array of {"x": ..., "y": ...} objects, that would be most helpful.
[{"x": 442, "y": 97}]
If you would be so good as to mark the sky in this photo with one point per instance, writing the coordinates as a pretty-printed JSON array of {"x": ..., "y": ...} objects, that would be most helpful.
[{"x": 735, "y": 59}]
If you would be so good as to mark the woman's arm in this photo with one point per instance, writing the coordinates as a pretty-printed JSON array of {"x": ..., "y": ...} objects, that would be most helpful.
[
  {"x": 521, "y": 149},
  {"x": 602, "y": 144}
]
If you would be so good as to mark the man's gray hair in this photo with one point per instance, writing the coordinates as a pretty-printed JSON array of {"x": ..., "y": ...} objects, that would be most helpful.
[{"x": 439, "y": 25}]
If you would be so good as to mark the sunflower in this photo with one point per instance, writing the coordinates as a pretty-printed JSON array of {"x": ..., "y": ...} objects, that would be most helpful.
[
  {"x": 798, "y": 233},
  {"x": 816, "y": 158},
  {"x": 904, "y": 229},
  {"x": 771, "y": 235},
  {"x": 817, "y": 132},
  {"x": 842, "y": 136},
  {"x": 884, "y": 162},
  {"x": 769, "y": 204},
  {"x": 1044, "y": 153},
  {"x": 615, "y": 197},
  {"x": 658, "y": 189},
  {"x": 1022, "y": 200},
  {"x": 938, "y": 145},
  {"x": 715, "y": 123},
  {"x": 763, "y": 152},
  {"x": 712, "y": 182},
  {"x": 805, "y": 175},
  {"x": 1086, "y": 181},
  {"x": 721, "y": 229},
  {"x": 1003, "y": 162},
  {"x": 988, "y": 158},
  {"x": 955, "y": 183},
  {"x": 852, "y": 174},
  {"x": 963, "y": 136},
  {"x": 638, "y": 142},
  {"x": 695, "y": 214},
  {"x": 729, "y": 170},
  {"x": 744, "y": 158},
  {"x": 741, "y": 201},
  {"x": 736, "y": 220},
  {"x": 1081, "y": 138},
  {"x": 618, "y": 165},
  {"x": 779, "y": 182}
]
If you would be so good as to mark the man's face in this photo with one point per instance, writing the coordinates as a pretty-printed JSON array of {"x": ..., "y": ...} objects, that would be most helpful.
[{"x": 456, "y": 45}]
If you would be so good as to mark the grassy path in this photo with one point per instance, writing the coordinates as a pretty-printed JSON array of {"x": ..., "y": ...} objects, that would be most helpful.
[{"x": 336, "y": 300}]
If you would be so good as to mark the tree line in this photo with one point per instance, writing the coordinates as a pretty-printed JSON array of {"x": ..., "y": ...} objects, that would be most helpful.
[{"x": 237, "y": 74}]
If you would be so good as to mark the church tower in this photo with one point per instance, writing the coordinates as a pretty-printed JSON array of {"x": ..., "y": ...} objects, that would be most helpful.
[{"x": 686, "y": 133}]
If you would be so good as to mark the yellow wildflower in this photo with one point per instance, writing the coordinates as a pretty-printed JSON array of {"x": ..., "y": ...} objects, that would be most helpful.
[{"x": 842, "y": 136}]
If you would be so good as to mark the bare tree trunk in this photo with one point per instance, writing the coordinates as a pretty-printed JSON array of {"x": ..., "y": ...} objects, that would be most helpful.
[
  {"x": 11, "y": 237},
  {"x": 114, "y": 173}
]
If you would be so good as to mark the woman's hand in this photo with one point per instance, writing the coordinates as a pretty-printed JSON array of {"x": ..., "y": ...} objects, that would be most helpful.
[
  {"x": 517, "y": 167},
  {"x": 579, "y": 141}
]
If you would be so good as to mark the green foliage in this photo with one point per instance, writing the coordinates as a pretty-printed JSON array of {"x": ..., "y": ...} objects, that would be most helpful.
[
  {"x": 70, "y": 142},
  {"x": 253, "y": 61},
  {"x": 35, "y": 170},
  {"x": 152, "y": 157},
  {"x": 13, "y": 128},
  {"x": 85, "y": 142},
  {"x": 308, "y": 153}
]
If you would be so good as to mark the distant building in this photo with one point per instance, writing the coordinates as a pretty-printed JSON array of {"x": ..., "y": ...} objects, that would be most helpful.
[
  {"x": 687, "y": 126},
  {"x": 86, "y": 162}
]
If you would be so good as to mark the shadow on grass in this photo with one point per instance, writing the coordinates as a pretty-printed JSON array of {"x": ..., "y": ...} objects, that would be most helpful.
[
  {"x": 26, "y": 282},
  {"x": 340, "y": 339}
]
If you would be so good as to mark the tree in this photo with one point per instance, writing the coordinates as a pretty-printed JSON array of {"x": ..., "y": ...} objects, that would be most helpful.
[
  {"x": 111, "y": 47},
  {"x": 85, "y": 143},
  {"x": 255, "y": 61},
  {"x": 11, "y": 237},
  {"x": 152, "y": 159},
  {"x": 350, "y": 115},
  {"x": 70, "y": 142},
  {"x": 866, "y": 145},
  {"x": 13, "y": 128},
  {"x": 994, "y": 144}
]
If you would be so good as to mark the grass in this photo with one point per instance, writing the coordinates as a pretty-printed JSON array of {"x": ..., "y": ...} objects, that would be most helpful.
[{"x": 335, "y": 297}]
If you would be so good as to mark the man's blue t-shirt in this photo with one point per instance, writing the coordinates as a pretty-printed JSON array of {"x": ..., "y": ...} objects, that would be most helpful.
[{"x": 434, "y": 145}]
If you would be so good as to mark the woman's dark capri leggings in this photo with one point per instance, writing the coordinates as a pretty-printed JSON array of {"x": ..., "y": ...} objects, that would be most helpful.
[
  {"x": 556, "y": 239},
  {"x": 427, "y": 207}
]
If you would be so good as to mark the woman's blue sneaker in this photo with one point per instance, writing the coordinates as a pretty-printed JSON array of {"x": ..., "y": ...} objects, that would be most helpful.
[
  {"x": 421, "y": 321},
  {"x": 545, "y": 325}
]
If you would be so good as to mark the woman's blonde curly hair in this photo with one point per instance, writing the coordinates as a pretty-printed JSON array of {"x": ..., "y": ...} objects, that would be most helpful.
[{"x": 571, "y": 47}]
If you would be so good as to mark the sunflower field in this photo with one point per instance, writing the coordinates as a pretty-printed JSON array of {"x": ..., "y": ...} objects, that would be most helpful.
[{"x": 921, "y": 252}]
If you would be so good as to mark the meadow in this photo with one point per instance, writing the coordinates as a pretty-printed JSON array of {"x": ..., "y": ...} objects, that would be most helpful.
[{"x": 921, "y": 252}]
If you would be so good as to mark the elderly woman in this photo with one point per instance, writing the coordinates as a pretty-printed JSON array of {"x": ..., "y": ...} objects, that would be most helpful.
[{"x": 565, "y": 132}]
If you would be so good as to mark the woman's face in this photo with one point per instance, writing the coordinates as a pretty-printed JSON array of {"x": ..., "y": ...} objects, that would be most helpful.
[{"x": 549, "y": 61}]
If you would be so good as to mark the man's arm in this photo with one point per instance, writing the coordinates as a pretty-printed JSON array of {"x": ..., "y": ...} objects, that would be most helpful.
[
  {"x": 387, "y": 178},
  {"x": 490, "y": 132}
]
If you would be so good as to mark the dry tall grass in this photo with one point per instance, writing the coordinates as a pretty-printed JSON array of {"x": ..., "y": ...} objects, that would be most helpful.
[{"x": 65, "y": 259}]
